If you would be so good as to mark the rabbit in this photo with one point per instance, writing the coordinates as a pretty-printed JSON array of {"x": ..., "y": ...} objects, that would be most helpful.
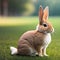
[{"x": 35, "y": 42}]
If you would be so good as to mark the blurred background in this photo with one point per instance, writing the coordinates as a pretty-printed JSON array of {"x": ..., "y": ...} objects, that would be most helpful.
[
  {"x": 28, "y": 7},
  {"x": 19, "y": 16}
]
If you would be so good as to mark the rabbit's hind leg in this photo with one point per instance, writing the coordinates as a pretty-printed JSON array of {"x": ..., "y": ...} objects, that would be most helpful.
[
  {"x": 25, "y": 49},
  {"x": 33, "y": 52}
]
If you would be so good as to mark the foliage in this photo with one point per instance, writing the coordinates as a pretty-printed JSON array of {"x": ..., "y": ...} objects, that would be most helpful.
[
  {"x": 53, "y": 5},
  {"x": 19, "y": 6},
  {"x": 31, "y": 7}
]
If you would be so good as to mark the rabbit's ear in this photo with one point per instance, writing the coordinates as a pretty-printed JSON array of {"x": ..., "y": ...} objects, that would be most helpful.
[
  {"x": 40, "y": 14},
  {"x": 46, "y": 13}
]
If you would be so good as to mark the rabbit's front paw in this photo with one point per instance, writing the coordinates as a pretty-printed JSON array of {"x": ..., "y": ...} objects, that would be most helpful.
[{"x": 46, "y": 55}]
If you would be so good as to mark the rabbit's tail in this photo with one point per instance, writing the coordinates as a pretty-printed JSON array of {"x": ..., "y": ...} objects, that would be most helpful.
[{"x": 13, "y": 50}]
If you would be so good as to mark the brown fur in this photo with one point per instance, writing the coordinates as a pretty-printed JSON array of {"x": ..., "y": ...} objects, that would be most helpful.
[{"x": 35, "y": 39}]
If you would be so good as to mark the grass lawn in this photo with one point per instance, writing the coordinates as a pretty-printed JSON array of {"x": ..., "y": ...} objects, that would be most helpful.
[{"x": 11, "y": 29}]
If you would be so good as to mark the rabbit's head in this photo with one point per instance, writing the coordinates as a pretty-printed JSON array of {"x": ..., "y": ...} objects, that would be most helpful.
[{"x": 44, "y": 26}]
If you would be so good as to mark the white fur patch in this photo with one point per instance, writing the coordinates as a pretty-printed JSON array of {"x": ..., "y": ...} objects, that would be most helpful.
[
  {"x": 13, "y": 50},
  {"x": 37, "y": 27},
  {"x": 47, "y": 39}
]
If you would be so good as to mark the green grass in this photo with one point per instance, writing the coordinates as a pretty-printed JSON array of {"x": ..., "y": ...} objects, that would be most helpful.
[{"x": 12, "y": 28}]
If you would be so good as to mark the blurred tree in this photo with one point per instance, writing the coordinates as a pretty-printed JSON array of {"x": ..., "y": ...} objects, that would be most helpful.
[
  {"x": 15, "y": 6},
  {"x": 21, "y": 7},
  {"x": 30, "y": 7}
]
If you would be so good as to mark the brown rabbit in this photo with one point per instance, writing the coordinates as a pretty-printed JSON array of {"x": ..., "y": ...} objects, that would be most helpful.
[{"x": 36, "y": 41}]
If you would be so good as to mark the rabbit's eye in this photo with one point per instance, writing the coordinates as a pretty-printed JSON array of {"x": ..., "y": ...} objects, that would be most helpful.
[{"x": 45, "y": 25}]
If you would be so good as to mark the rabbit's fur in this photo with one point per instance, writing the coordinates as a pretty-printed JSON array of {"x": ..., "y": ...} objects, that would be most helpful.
[{"x": 36, "y": 41}]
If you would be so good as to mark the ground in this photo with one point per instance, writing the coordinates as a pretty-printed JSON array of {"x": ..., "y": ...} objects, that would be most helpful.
[{"x": 11, "y": 28}]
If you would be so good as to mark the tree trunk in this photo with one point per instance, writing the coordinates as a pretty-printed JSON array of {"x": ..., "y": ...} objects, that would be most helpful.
[
  {"x": 1, "y": 7},
  {"x": 4, "y": 7}
]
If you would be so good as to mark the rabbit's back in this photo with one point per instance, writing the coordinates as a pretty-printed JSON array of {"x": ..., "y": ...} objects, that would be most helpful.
[{"x": 32, "y": 38}]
